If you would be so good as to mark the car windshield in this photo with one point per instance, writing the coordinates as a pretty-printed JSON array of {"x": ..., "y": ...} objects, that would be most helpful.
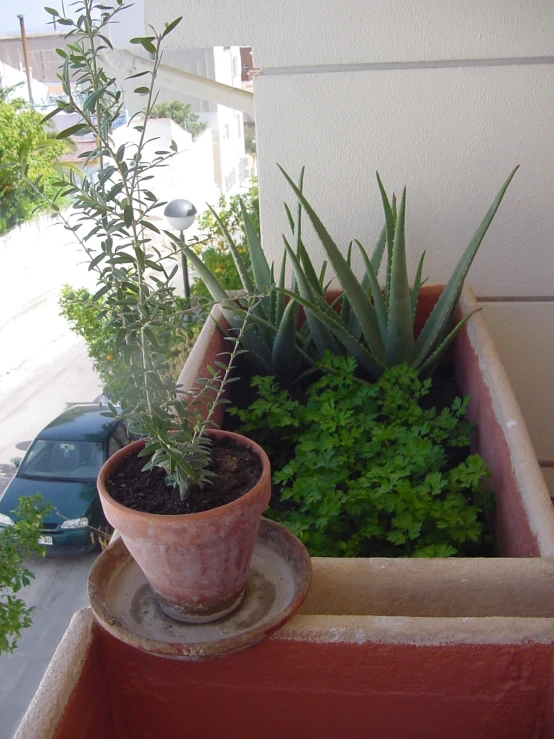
[{"x": 72, "y": 460}]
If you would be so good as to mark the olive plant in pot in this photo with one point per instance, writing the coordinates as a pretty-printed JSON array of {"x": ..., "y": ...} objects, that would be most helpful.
[{"x": 190, "y": 513}]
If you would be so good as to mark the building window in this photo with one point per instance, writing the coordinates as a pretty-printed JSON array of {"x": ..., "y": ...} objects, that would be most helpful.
[
  {"x": 225, "y": 133},
  {"x": 230, "y": 179}
]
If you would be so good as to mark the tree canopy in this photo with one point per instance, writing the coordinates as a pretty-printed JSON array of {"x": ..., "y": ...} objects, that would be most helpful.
[
  {"x": 26, "y": 140},
  {"x": 182, "y": 114}
]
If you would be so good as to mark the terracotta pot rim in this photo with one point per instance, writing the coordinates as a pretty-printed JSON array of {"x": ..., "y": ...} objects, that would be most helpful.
[{"x": 111, "y": 464}]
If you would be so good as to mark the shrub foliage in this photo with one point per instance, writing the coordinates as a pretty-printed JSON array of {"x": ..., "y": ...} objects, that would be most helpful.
[{"x": 366, "y": 470}]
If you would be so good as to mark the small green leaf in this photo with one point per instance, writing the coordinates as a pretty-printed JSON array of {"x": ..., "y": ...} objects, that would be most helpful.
[
  {"x": 128, "y": 215},
  {"x": 146, "y": 43},
  {"x": 72, "y": 130},
  {"x": 170, "y": 26},
  {"x": 138, "y": 74}
]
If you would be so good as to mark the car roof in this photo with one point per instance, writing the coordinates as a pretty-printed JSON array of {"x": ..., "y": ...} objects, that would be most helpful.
[{"x": 80, "y": 423}]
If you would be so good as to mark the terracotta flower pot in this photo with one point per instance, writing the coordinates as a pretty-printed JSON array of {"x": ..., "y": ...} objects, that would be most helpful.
[{"x": 197, "y": 563}]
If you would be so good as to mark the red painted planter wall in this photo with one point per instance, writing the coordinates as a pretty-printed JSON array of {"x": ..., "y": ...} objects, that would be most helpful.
[
  {"x": 285, "y": 689},
  {"x": 301, "y": 689},
  {"x": 90, "y": 710}
]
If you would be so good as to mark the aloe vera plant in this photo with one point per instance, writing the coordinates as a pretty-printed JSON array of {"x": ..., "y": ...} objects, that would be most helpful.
[
  {"x": 376, "y": 325},
  {"x": 275, "y": 346}
]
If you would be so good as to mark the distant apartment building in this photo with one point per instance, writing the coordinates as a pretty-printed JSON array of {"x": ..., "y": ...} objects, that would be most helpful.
[
  {"x": 187, "y": 175},
  {"x": 44, "y": 61},
  {"x": 231, "y": 167},
  {"x": 247, "y": 64},
  {"x": 222, "y": 64},
  {"x": 11, "y": 77}
]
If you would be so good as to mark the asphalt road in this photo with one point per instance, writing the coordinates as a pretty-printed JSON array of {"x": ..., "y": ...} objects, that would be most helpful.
[{"x": 44, "y": 368}]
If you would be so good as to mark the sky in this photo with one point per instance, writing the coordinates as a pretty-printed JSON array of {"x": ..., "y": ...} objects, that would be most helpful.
[{"x": 36, "y": 18}]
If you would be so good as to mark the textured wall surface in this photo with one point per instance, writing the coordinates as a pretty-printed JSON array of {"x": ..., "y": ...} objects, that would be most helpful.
[
  {"x": 358, "y": 31},
  {"x": 449, "y": 135},
  {"x": 300, "y": 688},
  {"x": 444, "y": 97}
]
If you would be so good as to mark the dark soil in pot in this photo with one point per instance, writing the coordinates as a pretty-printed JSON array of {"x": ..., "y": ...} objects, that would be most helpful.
[{"x": 236, "y": 468}]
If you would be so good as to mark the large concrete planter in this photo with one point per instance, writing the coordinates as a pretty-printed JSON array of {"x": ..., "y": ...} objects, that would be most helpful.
[
  {"x": 382, "y": 648},
  {"x": 524, "y": 516}
]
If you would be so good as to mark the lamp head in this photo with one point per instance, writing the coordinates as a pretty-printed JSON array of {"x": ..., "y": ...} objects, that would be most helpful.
[{"x": 180, "y": 214}]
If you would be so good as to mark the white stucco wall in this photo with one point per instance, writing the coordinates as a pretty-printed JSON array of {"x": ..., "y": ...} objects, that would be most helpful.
[
  {"x": 188, "y": 175},
  {"x": 450, "y": 135},
  {"x": 10, "y": 77},
  {"x": 230, "y": 122},
  {"x": 445, "y": 97},
  {"x": 358, "y": 31}
]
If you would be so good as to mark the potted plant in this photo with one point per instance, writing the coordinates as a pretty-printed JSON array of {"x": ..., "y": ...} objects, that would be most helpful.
[
  {"x": 192, "y": 521},
  {"x": 341, "y": 492},
  {"x": 191, "y": 514},
  {"x": 476, "y": 633}
]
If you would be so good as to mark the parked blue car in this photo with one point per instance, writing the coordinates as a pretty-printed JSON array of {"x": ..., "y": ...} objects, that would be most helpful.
[{"x": 62, "y": 464}]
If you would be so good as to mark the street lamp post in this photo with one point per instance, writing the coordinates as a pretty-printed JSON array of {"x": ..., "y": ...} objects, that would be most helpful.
[{"x": 180, "y": 215}]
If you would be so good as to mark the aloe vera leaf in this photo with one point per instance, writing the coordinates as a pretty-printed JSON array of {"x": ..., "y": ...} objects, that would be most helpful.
[
  {"x": 359, "y": 301},
  {"x": 273, "y": 295},
  {"x": 346, "y": 311},
  {"x": 284, "y": 355},
  {"x": 251, "y": 339},
  {"x": 306, "y": 373},
  {"x": 351, "y": 344},
  {"x": 416, "y": 287},
  {"x": 444, "y": 308},
  {"x": 400, "y": 337},
  {"x": 228, "y": 306},
  {"x": 309, "y": 269},
  {"x": 273, "y": 328},
  {"x": 279, "y": 297},
  {"x": 289, "y": 217},
  {"x": 377, "y": 256},
  {"x": 307, "y": 264},
  {"x": 431, "y": 362},
  {"x": 375, "y": 290},
  {"x": 322, "y": 336},
  {"x": 322, "y": 272},
  {"x": 308, "y": 338},
  {"x": 390, "y": 222},
  {"x": 301, "y": 251},
  {"x": 260, "y": 267},
  {"x": 376, "y": 260},
  {"x": 299, "y": 212},
  {"x": 247, "y": 283},
  {"x": 214, "y": 288},
  {"x": 261, "y": 360},
  {"x": 353, "y": 323}
]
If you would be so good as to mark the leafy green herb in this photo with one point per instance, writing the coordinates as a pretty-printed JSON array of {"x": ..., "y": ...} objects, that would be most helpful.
[{"x": 367, "y": 470}]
